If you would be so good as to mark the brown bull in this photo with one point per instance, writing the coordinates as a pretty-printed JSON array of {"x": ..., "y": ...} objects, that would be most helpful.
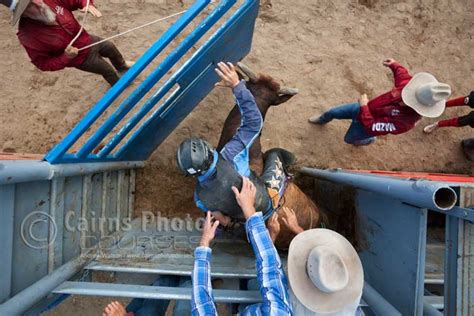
[{"x": 267, "y": 93}]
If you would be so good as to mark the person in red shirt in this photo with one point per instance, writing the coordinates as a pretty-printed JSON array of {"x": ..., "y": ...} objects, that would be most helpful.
[
  {"x": 394, "y": 112},
  {"x": 46, "y": 29},
  {"x": 465, "y": 120}
]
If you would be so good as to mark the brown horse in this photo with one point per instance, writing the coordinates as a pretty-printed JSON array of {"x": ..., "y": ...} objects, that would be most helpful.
[{"x": 267, "y": 93}]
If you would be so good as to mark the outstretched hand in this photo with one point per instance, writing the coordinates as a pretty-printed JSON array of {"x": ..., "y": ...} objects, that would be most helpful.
[
  {"x": 388, "y": 62},
  {"x": 224, "y": 220},
  {"x": 93, "y": 11},
  {"x": 246, "y": 197},
  {"x": 228, "y": 75},
  {"x": 274, "y": 226},
  {"x": 114, "y": 309},
  {"x": 291, "y": 221},
  {"x": 208, "y": 231},
  {"x": 71, "y": 52},
  {"x": 364, "y": 100}
]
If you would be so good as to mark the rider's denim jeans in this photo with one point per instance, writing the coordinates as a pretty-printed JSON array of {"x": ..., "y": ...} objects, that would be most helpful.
[{"x": 356, "y": 134}]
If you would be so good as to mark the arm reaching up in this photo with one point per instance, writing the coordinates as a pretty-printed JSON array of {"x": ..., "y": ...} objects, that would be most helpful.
[
  {"x": 237, "y": 149},
  {"x": 202, "y": 301},
  {"x": 271, "y": 278}
]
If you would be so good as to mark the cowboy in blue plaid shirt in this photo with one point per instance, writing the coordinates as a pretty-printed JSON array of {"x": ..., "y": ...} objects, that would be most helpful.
[{"x": 272, "y": 280}]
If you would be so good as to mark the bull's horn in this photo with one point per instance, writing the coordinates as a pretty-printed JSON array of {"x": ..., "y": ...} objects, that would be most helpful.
[
  {"x": 288, "y": 91},
  {"x": 247, "y": 71}
]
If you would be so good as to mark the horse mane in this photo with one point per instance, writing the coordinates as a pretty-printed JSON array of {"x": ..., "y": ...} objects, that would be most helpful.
[{"x": 269, "y": 82}]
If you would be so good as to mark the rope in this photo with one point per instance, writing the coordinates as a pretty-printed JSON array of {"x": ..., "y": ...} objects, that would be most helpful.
[
  {"x": 84, "y": 19},
  {"x": 128, "y": 31}
]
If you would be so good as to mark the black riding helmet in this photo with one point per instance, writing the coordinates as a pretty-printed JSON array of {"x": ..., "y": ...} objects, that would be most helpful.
[{"x": 195, "y": 156}]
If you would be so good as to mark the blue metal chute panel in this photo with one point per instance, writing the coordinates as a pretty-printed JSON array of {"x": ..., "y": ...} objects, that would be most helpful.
[
  {"x": 72, "y": 207},
  {"x": 393, "y": 256},
  {"x": 7, "y": 211},
  {"x": 59, "y": 153},
  {"x": 31, "y": 231},
  {"x": 196, "y": 79}
]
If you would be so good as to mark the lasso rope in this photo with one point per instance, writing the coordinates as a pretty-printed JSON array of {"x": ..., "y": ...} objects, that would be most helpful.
[
  {"x": 133, "y": 29},
  {"x": 84, "y": 19}
]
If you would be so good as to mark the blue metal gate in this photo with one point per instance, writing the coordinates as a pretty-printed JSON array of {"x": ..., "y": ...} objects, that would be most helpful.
[{"x": 195, "y": 79}]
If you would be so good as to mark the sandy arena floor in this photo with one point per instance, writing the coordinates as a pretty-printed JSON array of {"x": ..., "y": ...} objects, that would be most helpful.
[{"x": 331, "y": 50}]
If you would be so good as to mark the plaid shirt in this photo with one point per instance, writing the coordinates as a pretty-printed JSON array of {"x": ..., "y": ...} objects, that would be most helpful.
[{"x": 272, "y": 280}]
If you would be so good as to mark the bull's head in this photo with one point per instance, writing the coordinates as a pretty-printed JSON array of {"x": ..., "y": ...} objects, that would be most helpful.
[{"x": 264, "y": 88}]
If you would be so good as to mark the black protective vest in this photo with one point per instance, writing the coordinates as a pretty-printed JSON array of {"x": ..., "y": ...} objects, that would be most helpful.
[{"x": 217, "y": 195}]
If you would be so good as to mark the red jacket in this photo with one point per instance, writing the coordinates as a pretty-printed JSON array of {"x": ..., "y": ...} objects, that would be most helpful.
[
  {"x": 45, "y": 44},
  {"x": 386, "y": 114}
]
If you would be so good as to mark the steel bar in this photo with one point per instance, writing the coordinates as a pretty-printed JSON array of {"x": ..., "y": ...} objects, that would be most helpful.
[
  {"x": 153, "y": 292},
  {"x": 27, "y": 298},
  {"x": 16, "y": 171},
  {"x": 167, "y": 269},
  {"x": 378, "y": 304},
  {"x": 429, "y": 310},
  {"x": 436, "y": 302},
  {"x": 423, "y": 194}
]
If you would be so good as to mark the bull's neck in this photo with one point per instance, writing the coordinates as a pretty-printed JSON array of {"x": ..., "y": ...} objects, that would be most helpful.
[{"x": 263, "y": 106}]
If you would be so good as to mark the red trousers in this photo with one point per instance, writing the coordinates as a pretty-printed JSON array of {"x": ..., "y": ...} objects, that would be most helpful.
[{"x": 466, "y": 120}]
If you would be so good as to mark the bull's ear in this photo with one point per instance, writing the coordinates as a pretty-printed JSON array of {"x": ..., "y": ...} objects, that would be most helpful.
[{"x": 285, "y": 94}]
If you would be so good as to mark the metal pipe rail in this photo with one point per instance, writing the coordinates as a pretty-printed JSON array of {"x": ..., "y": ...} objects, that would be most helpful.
[
  {"x": 377, "y": 303},
  {"x": 27, "y": 298},
  {"x": 17, "y": 171},
  {"x": 424, "y": 194}
]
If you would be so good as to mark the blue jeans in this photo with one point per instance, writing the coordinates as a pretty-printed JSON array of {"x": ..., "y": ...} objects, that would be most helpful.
[
  {"x": 149, "y": 307},
  {"x": 356, "y": 134}
]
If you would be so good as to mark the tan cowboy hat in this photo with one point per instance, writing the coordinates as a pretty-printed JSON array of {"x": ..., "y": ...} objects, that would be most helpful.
[
  {"x": 324, "y": 271},
  {"x": 426, "y": 95},
  {"x": 17, "y": 7}
]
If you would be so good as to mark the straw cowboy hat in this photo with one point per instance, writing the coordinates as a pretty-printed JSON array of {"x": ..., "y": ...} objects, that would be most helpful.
[
  {"x": 17, "y": 7},
  {"x": 324, "y": 271},
  {"x": 426, "y": 95}
]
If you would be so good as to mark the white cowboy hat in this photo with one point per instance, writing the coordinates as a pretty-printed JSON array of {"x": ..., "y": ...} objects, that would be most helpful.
[
  {"x": 426, "y": 95},
  {"x": 17, "y": 7},
  {"x": 324, "y": 271}
]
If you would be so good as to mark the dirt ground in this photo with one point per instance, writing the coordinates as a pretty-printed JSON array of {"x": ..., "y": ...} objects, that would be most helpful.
[{"x": 331, "y": 50}]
